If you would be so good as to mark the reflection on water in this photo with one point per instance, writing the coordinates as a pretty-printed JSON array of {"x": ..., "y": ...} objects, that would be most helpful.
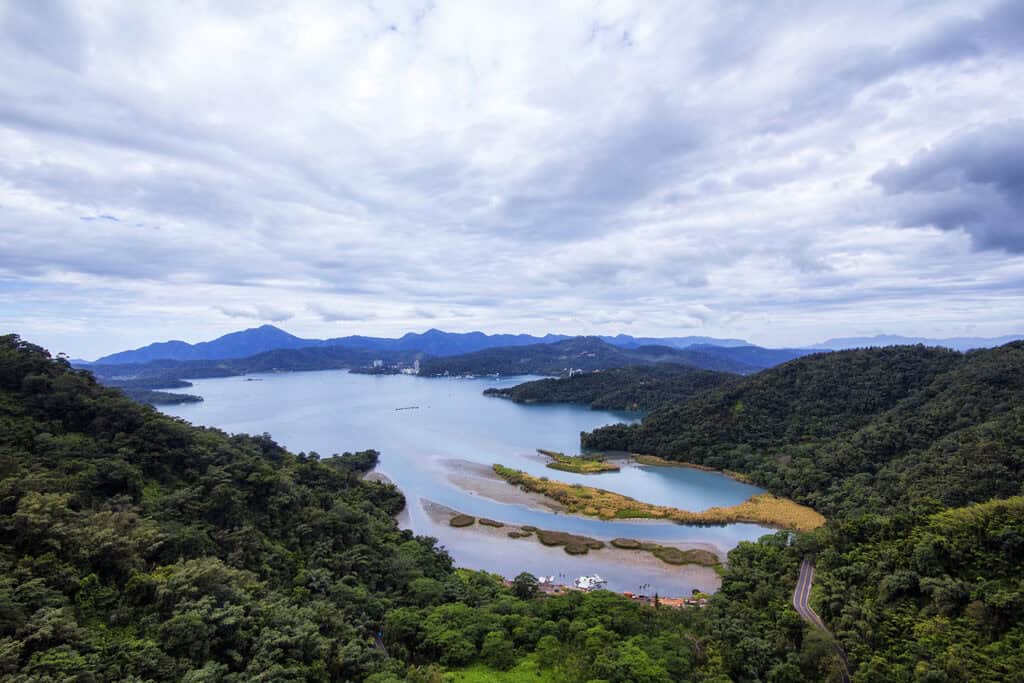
[{"x": 334, "y": 411}]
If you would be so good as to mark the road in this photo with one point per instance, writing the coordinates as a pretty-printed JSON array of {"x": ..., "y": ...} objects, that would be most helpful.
[
  {"x": 800, "y": 603},
  {"x": 803, "y": 593}
]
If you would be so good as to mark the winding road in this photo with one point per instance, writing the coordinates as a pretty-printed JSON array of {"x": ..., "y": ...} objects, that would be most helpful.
[{"x": 800, "y": 603}]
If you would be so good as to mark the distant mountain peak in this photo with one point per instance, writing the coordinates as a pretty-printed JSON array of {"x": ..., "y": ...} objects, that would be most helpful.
[
  {"x": 957, "y": 343},
  {"x": 432, "y": 342}
]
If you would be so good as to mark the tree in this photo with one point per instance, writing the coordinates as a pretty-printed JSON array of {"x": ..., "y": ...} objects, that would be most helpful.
[
  {"x": 525, "y": 586},
  {"x": 497, "y": 650}
]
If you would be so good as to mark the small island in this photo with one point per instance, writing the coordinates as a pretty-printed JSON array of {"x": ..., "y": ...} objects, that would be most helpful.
[{"x": 580, "y": 464}]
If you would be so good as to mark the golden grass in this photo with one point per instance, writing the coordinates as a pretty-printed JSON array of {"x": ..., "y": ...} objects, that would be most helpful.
[
  {"x": 594, "y": 502},
  {"x": 578, "y": 464}
]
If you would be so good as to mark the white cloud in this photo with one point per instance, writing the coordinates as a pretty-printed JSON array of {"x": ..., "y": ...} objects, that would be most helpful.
[{"x": 568, "y": 167}]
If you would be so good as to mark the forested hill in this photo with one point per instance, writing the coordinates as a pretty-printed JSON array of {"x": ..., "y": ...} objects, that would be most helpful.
[
  {"x": 169, "y": 373},
  {"x": 580, "y": 353},
  {"x": 136, "y": 547},
  {"x": 871, "y": 430},
  {"x": 632, "y": 388}
]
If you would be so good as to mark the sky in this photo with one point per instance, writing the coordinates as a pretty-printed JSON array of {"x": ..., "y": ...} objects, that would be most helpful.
[{"x": 780, "y": 172}]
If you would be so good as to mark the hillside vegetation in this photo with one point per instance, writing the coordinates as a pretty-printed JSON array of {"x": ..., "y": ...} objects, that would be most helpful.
[
  {"x": 580, "y": 353},
  {"x": 872, "y": 430},
  {"x": 136, "y": 547},
  {"x": 631, "y": 388}
]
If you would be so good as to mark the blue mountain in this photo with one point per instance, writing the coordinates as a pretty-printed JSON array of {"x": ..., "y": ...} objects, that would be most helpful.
[{"x": 433, "y": 342}]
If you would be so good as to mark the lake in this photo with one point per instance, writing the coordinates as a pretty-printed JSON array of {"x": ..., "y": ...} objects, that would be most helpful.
[{"x": 434, "y": 434}]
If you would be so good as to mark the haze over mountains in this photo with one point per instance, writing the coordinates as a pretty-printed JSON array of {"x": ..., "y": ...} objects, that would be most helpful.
[
  {"x": 956, "y": 343},
  {"x": 438, "y": 343},
  {"x": 433, "y": 342}
]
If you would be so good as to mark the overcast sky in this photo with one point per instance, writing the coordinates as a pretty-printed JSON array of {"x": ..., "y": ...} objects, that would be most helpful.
[{"x": 759, "y": 170}]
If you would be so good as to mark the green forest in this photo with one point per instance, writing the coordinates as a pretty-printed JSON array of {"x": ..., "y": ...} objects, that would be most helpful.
[
  {"x": 136, "y": 547},
  {"x": 579, "y": 353},
  {"x": 629, "y": 388}
]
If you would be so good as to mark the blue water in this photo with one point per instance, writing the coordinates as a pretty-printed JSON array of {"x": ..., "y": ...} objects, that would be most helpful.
[{"x": 334, "y": 411}]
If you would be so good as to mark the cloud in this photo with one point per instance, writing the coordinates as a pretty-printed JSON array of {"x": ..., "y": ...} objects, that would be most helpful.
[
  {"x": 332, "y": 314},
  {"x": 749, "y": 170},
  {"x": 257, "y": 312},
  {"x": 972, "y": 181}
]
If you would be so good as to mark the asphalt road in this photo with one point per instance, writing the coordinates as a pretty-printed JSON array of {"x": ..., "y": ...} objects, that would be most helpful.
[
  {"x": 803, "y": 593},
  {"x": 800, "y": 603}
]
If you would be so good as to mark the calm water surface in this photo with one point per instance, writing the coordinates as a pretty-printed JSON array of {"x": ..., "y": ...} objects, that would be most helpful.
[{"x": 334, "y": 411}]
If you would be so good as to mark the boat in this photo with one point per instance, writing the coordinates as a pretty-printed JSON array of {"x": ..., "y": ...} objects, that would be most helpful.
[{"x": 591, "y": 582}]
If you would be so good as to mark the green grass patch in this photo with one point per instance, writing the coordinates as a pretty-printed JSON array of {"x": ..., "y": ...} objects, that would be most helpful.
[
  {"x": 677, "y": 556},
  {"x": 462, "y": 520},
  {"x": 491, "y": 522},
  {"x": 579, "y": 464},
  {"x": 669, "y": 554}
]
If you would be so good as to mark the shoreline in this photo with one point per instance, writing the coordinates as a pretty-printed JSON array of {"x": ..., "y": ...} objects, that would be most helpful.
[
  {"x": 403, "y": 518},
  {"x": 478, "y": 479},
  {"x": 441, "y": 514},
  {"x": 588, "y": 501},
  {"x": 658, "y": 461},
  {"x": 707, "y": 576}
]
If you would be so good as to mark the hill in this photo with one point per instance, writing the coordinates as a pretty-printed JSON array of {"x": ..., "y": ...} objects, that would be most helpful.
[
  {"x": 167, "y": 374},
  {"x": 235, "y": 345},
  {"x": 580, "y": 353},
  {"x": 956, "y": 343},
  {"x": 632, "y": 388},
  {"x": 753, "y": 356},
  {"x": 138, "y": 547},
  {"x": 628, "y": 341},
  {"x": 134, "y": 546},
  {"x": 870, "y": 430},
  {"x": 245, "y": 343}
]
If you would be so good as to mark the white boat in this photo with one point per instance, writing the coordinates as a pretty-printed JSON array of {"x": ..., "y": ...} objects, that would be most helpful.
[{"x": 590, "y": 583}]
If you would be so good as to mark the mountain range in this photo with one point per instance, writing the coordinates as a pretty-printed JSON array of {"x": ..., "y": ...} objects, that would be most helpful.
[
  {"x": 438, "y": 343},
  {"x": 593, "y": 353},
  {"x": 433, "y": 342}
]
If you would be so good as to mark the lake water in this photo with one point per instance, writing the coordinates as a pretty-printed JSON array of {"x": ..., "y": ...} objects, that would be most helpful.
[{"x": 334, "y": 411}]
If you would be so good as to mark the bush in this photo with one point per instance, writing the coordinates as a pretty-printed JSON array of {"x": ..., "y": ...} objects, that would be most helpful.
[{"x": 497, "y": 650}]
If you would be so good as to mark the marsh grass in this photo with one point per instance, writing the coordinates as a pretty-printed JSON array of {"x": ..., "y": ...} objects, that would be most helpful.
[
  {"x": 669, "y": 554},
  {"x": 462, "y": 520},
  {"x": 579, "y": 464},
  {"x": 760, "y": 509}
]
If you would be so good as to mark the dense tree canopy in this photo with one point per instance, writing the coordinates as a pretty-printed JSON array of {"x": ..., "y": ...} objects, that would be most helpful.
[
  {"x": 631, "y": 388},
  {"x": 136, "y": 547},
  {"x": 870, "y": 430}
]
